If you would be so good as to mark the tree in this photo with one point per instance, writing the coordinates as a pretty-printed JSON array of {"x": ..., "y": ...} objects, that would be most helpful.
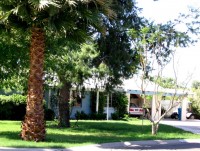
[
  {"x": 114, "y": 61},
  {"x": 72, "y": 65},
  {"x": 71, "y": 19},
  {"x": 155, "y": 44},
  {"x": 115, "y": 47}
]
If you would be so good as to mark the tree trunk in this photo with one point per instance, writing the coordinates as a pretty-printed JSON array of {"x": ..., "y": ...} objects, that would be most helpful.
[
  {"x": 64, "y": 114},
  {"x": 155, "y": 126},
  {"x": 33, "y": 126}
]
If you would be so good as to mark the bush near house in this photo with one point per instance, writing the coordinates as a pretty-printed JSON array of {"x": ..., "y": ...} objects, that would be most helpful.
[
  {"x": 119, "y": 102},
  {"x": 102, "y": 101},
  {"x": 98, "y": 116},
  {"x": 93, "y": 116},
  {"x": 13, "y": 107},
  {"x": 195, "y": 99}
]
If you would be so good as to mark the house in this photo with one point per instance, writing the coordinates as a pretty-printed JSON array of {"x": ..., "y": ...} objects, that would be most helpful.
[{"x": 133, "y": 88}]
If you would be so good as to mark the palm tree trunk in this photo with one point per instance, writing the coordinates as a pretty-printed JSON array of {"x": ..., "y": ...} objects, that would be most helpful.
[
  {"x": 33, "y": 126},
  {"x": 64, "y": 114}
]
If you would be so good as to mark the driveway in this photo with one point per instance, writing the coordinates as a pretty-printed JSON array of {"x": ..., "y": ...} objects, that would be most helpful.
[{"x": 188, "y": 125}]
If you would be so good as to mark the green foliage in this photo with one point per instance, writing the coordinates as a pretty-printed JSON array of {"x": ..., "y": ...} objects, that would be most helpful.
[
  {"x": 93, "y": 116},
  {"x": 115, "y": 47},
  {"x": 16, "y": 99},
  {"x": 72, "y": 19},
  {"x": 165, "y": 82},
  {"x": 148, "y": 97},
  {"x": 72, "y": 63},
  {"x": 13, "y": 59},
  {"x": 195, "y": 101},
  {"x": 120, "y": 104},
  {"x": 97, "y": 116},
  {"x": 196, "y": 85},
  {"x": 62, "y": 21},
  {"x": 156, "y": 43},
  {"x": 12, "y": 107},
  {"x": 81, "y": 115},
  {"x": 102, "y": 101},
  {"x": 115, "y": 116}
]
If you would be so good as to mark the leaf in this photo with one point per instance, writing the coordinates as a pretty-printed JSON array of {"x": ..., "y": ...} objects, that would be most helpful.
[
  {"x": 71, "y": 2},
  {"x": 5, "y": 16},
  {"x": 42, "y": 4}
]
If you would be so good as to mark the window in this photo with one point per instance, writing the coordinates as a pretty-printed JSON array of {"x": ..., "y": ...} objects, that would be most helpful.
[{"x": 76, "y": 98}]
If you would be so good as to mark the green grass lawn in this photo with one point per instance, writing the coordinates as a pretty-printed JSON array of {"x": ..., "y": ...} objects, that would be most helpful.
[{"x": 89, "y": 132}]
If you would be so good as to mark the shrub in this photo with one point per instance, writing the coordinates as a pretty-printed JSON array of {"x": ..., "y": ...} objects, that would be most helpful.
[
  {"x": 102, "y": 101},
  {"x": 12, "y": 107},
  {"x": 115, "y": 116},
  {"x": 195, "y": 102},
  {"x": 16, "y": 99},
  {"x": 98, "y": 116},
  {"x": 49, "y": 115},
  {"x": 81, "y": 115},
  {"x": 120, "y": 105}
]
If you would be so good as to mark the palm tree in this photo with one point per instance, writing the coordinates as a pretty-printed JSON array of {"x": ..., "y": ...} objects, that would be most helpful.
[{"x": 66, "y": 18}]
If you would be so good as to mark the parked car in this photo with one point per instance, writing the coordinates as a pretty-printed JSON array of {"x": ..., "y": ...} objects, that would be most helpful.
[
  {"x": 135, "y": 110},
  {"x": 189, "y": 115}
]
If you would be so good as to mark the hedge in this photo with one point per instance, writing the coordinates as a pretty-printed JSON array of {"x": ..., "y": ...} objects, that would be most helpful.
[
  {"x": 16, "y": 99},
  {"x": 13, "y": 107}
]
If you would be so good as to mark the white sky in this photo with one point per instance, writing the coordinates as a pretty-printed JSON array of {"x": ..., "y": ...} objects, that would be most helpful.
[{"x": 187, "y": 60}]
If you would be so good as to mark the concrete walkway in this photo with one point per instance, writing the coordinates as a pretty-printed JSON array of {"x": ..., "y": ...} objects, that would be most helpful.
[{"x": 188, "y": 125}]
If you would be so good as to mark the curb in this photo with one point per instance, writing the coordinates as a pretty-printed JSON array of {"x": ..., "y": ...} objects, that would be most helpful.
[{"x": 113, "y": 146}]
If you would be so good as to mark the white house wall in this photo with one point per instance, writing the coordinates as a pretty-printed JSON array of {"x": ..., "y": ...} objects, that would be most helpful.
[{"x": 85, "y": 106}]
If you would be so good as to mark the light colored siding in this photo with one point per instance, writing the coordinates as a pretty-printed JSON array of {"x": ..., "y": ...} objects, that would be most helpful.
[{"x": 85, "y": 107}]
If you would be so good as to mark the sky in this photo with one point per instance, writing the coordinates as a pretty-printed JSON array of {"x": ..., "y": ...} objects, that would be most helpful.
[{"x": 186, "y": 60}]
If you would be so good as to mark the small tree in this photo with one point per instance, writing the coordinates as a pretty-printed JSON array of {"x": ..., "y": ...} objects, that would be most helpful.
[{"x": 155, "y": 44}]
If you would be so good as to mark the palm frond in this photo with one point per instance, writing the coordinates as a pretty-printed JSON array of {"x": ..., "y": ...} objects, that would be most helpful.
[
  {"x": 42, "y": 4},
  {"x": 4, "y": 16},
  {"x": 71, "y": 2}
]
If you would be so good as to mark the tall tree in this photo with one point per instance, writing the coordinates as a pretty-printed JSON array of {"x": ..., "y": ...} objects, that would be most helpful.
[
  {"x": 69, "y": 18},
  {"x": 115, "y": 46},
  {"x": 71, "y": 65}
]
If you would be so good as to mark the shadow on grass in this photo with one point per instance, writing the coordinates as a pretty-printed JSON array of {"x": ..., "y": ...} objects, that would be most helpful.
[
  {"x": 94, "y": 132},
  {"x": 10, "y": 135}
]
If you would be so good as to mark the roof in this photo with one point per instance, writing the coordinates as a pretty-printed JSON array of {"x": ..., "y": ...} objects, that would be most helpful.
[{"x": 135, "y": 85}]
